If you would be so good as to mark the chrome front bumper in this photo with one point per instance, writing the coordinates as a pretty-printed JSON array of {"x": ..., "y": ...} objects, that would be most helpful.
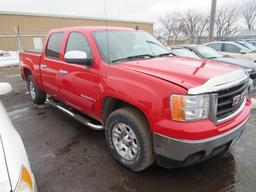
[{"x": 192, "y": 151}]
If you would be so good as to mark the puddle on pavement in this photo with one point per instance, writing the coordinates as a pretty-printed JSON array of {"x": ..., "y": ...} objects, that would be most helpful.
[
  {"x": 213, "y": 175},
  {"x": 68, "y": 147}
]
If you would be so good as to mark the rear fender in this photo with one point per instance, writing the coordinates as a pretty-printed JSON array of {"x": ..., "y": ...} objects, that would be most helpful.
[{"x": 34, "y": 68}]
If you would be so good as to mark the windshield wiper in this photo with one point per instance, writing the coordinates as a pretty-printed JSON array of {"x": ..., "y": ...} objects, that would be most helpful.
[
  {"x": 133, "y": 57},
  {"x": 211, "y": 57},
  {"x": 164, "y": 54}
]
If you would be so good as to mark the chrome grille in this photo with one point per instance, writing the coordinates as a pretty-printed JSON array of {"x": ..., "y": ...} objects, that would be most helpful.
[{"x": 230, "y": 100}]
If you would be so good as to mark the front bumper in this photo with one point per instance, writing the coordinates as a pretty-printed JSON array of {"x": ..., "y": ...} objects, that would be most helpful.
[{"x": 179, "y": 153}]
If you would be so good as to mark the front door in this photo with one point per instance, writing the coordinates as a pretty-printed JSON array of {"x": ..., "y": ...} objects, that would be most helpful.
[{"x": 79, "y": 83}]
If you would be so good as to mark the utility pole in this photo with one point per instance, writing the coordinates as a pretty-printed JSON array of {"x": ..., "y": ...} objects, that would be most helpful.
[{"x": 212, "y": 19}]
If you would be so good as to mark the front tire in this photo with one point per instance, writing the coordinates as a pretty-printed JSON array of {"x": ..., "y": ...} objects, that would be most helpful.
[
  {"x": 129, "y": 139},
  {"x": 38, "y": 97}
]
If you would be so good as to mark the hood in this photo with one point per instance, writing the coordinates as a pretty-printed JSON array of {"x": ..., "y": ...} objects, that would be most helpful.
[
  {"x": 186, "y": 72},
  {"x": 244, "y": 63},
  {"x": 13, "y": 146}
]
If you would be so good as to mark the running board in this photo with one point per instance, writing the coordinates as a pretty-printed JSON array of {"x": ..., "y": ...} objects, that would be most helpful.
[{"x": 76, "y": 116}]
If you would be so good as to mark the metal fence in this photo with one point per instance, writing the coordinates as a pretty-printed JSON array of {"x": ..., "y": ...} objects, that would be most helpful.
[{"x": 18, "y": 41}]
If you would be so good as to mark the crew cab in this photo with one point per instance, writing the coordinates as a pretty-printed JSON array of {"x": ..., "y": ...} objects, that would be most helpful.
[{"x": 152, "y": 105}]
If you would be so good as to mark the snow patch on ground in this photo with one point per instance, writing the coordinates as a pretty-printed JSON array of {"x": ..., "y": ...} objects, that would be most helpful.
[{"x": 9, "y": 58}]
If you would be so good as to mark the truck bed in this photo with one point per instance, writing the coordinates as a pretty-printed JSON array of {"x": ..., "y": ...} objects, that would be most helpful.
[
  {"x": 30, "y": 57},
  {"x": 38, "y": 51}
]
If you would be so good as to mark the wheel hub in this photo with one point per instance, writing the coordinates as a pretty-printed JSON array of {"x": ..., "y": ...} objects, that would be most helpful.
[
  {"x": 125, "y": 141},
  {"x": 32, "y": 90}
]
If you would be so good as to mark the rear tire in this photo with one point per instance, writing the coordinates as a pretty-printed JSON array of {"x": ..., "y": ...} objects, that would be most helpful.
[
  {"x": 129, "y": 139},
  {"x": 38, "y": 97}
]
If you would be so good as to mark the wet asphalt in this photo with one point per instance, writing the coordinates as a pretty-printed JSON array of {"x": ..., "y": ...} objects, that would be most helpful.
[{"x": 66, "y": 156}]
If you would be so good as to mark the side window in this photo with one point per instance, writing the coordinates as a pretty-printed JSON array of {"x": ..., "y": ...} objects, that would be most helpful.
[
  {"x": 216, "y": 46},
  {"x": 231, "y": 48},
  {"x": 54, "y": 45},
  {"x": 78, "y": 42}
]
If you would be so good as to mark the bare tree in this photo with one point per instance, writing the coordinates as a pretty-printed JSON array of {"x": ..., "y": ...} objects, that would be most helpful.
[
  {"x": 159, "y": 34},
  {"x": 225, "y": 22},
  {"x": 202, "y": 28},
  {"x": 176, "y": 31},
  {"x": 188, "y": 24},
  {"x": 168, "y": 25},
  {"x": 249, "y": 13},
  {"x": 193, "y": 25}
]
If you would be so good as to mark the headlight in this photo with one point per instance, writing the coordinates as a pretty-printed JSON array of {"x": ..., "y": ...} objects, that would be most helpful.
[
  {"x": 189, "y": 108},
  {"x": 25, "y": 183}
]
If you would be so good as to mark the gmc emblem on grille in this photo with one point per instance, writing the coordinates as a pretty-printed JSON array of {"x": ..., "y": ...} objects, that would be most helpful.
[{"x": 238, "y": 99}]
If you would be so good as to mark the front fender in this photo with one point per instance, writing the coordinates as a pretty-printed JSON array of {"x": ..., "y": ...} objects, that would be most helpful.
[{"x": 149, "y": 94}]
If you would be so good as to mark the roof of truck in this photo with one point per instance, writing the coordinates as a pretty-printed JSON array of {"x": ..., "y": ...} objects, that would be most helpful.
[{"x": 92, "y": 28}]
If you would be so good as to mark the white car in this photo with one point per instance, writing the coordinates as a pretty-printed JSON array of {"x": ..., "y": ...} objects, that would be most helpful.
[{"x": 15, "y": 172}]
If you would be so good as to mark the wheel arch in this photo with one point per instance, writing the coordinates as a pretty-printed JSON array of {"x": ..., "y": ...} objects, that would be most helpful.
[
  {"x": 110, "y": 104},
  {"x": 26, "y": 72}
]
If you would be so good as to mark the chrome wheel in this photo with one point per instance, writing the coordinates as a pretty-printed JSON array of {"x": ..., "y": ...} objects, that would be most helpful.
[
  {"x": 125, "y": 141},
  {"x": 32, "y": 90}
]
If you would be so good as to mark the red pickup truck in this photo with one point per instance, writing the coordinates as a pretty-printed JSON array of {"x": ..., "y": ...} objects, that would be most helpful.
[{"x": 152, "y": 105}]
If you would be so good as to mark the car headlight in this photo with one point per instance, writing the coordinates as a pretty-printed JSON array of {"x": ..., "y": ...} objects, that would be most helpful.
[
  {"x": 189, "y": 107},
  {"x": 25, "y": 183}
]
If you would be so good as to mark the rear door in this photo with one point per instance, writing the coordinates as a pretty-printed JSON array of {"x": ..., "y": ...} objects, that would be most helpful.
[
  {"x": 79, "y": 85},
  {"x": 50, "y": 63}
]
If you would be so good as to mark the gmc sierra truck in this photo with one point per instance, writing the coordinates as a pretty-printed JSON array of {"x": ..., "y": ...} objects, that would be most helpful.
[{"x": 152, "y": 105}]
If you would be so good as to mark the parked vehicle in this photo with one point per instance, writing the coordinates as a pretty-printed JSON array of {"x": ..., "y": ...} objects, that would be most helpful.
[
  {"x": 183, "y": 52},
  {"x": 152, "y": 105},
  {"x": 205, "y": 52},
  {"x": 233, "y": 48},
  {"x": 16, "y": 174},
  {"x": 252, "y": 41}
]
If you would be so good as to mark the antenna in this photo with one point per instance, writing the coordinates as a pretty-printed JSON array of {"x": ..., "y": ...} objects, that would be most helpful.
[{"x": 106, "y": 24}]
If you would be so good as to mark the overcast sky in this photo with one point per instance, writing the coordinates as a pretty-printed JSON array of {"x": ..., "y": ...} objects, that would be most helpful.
[{"x": 141, "y": 10}]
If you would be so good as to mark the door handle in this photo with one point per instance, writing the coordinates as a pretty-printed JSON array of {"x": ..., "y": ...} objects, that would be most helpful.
[
  {"x": 63, "y": 72},
  {"x": 43, "y": 66}
]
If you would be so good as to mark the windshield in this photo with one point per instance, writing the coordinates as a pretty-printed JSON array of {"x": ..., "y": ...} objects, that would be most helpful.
[
  {"x": 184, "y": 53},
  {"x": 207, "y": 52},
  {"x": 248, "y": 45},
  {"x": 127, "y": 44}
]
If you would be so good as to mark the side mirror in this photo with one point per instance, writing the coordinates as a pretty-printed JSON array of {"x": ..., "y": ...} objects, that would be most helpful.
[
  {"x": 5, "y": 88},
  {"x": 243, "y": 51},
  {"x": 78, "y": 57}
]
